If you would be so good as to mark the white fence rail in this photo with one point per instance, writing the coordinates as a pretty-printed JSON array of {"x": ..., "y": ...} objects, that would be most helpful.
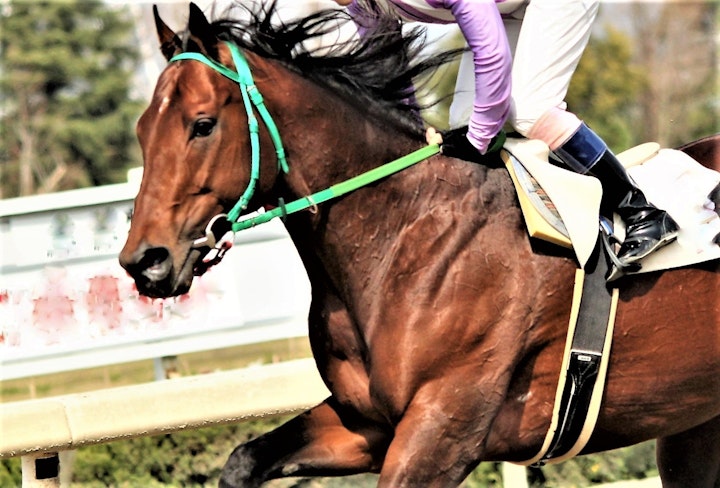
[
  {"x": 37, "y": 430},
  {"x": 65, "y": 303},
  {"x": 80, "y": 419}
]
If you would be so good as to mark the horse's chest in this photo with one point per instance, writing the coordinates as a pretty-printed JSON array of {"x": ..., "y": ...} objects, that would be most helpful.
[{"x": 340, "y": 353}]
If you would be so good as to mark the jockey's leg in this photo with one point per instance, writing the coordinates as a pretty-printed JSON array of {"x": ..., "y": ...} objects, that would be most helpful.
[
  {"x": 552, "y": 39},
  {"x": 647, "y": 227}
]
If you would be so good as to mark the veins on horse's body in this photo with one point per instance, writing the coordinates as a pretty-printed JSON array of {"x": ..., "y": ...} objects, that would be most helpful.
[{"x": 428, "y": 378}]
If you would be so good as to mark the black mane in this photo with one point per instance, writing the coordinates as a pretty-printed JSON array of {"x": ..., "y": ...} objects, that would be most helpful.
[{"x": 376, "y": 70}]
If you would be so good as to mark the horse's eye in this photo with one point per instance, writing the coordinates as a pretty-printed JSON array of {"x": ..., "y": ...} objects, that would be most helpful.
[{"x": 203, "y": 127}]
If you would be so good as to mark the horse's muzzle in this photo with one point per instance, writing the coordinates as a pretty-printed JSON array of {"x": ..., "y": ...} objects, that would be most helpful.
[{"x": 153, "y": 271}]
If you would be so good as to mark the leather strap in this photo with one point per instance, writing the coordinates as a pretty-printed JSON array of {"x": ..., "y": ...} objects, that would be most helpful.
[{"x": 587, "y": 352}]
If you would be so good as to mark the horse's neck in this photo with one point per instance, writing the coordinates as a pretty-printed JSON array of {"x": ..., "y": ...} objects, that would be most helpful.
[
  {"x": 328, "y": 139},
  {"x": 347, "y": 230},
  {"x": 353, "y": 244},
  {"x": 349, "y": 241},
  {"x": 341, "y": 145}
]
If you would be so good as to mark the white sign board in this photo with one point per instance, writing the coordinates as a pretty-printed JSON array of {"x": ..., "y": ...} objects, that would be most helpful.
[{"x": 65, "y": 302}]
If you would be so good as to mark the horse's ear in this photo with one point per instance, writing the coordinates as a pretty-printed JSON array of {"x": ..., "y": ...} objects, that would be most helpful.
[
  {"x": 201, "y": 32},
  {"x": 170, "y": 43}
]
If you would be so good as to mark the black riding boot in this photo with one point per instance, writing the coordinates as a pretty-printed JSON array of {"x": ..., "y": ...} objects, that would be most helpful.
[{"x": 647, "y": 227}]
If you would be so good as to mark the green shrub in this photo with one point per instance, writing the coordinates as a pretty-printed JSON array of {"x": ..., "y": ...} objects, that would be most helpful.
[
  {"x": 10, "y": 472},
  {"x": 186, "y": 458},
  {"x": 194, "y": 458},
  {"x": 635, "y": 462}
]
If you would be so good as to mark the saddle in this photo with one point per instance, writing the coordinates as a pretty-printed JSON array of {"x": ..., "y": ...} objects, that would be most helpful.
[{"x": 563, "y": 207}]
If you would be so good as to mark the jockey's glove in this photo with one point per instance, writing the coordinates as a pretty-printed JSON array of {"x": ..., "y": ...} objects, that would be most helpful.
[{"x": 456, "y": 145}]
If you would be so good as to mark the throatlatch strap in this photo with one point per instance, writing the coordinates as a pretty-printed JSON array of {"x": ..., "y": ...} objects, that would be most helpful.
[{"x": 584, "y": 369}]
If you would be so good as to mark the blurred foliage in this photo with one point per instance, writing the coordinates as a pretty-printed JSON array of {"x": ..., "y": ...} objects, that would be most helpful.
[
  {"x": 675, "y": 44},
  {"x": 656, "y": 80},
  {"x": 631, "y": 463},
  {"x": 604, "y": 88},
  {"x": 10, "y": 472},
  {"x": 67, "y": 117}
]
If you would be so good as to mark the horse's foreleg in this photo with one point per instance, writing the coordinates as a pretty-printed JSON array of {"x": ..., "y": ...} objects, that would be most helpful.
[
  {"x": 691, "y": 459},
  {"x": 326, "y": 440},
  {"x": 431, "y": 461},
  {"x": 441, "y": 438}
]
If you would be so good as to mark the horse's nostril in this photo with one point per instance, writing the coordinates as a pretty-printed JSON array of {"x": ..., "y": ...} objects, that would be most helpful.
[
  {"x": 153, "y": 256},
  {"x": 153, "y": 271},
  {"x": 155, "y": 263},
  {"x": 147, "y": 263}
]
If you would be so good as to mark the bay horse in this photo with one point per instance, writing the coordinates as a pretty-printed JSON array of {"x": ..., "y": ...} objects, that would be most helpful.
[{"x": 437, "y": 324}]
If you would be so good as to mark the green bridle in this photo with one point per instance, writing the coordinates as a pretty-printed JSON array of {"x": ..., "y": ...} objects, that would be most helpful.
[{"x": 252, "y": 98}]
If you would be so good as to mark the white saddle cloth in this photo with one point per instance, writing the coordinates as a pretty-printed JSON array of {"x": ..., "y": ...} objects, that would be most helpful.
[{"x": 670, "y": 179}]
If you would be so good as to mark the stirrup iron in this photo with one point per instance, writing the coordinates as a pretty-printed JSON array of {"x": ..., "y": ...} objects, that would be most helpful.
[{"x": 618, "y": 269}]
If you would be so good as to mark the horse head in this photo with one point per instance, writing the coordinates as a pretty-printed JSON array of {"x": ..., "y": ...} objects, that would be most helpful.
[
  {"x": 192, "y": 127},
  {"x": 199, "y": 160}
]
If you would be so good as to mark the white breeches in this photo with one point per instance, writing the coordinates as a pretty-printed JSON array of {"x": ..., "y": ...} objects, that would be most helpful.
[{"x": 547, "y": 44}]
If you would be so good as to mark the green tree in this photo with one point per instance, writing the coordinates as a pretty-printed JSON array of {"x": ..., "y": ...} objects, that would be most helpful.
[
  {"x": 605, "y": 87},
  {"x": 65, "y": 110},
  {"x": 676, "y": 45}
]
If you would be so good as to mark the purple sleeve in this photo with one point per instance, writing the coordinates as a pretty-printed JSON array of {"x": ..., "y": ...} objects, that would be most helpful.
[
  {"x": 481, "y": 24},
  {"x": 363, "y": 20},
  {"x": 353, "y": 9}
]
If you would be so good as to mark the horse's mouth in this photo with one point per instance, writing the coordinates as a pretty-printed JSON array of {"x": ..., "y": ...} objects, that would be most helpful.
[
  {"x": 162, "y": 271},
  {"x": 185, "y": 275},
  {"x": 163, "y": 280},
  {"x": 165, "y": 288}
]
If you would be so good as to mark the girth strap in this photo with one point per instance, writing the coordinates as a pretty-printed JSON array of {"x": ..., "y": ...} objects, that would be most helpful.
[{"x": 584, "y": 369}]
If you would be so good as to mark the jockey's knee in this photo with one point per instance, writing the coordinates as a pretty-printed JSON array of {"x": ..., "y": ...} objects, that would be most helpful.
[
  {"x": 524, "y": 115},
  {"x": 552, "y": 126},
  {"x": 522, "y": 126}
]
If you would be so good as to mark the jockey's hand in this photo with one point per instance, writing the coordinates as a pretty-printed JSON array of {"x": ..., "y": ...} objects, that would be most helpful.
[{"x": 456, "y": 144}]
